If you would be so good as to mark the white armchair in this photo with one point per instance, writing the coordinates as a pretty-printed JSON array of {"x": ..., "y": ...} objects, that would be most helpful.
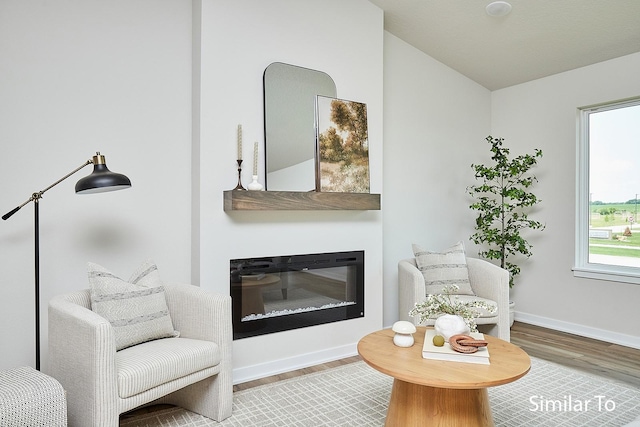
[
  {"x": 193, "y": 371},
  {"x": 487, "y": 281}
]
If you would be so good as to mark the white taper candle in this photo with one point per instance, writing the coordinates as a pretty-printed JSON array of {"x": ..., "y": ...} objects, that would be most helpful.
[
  {"x": 239, "y": 142},
  {"x": 255, "y": 158}
]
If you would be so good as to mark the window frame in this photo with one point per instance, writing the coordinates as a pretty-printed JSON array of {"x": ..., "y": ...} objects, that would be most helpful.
[{"x": 582, "y": 266}]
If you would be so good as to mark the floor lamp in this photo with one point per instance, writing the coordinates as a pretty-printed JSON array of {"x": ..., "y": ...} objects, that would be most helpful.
[{"x": 100, "y": 180}]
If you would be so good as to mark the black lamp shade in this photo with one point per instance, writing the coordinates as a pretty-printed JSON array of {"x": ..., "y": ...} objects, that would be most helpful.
[{"x": 102, "y": 180}]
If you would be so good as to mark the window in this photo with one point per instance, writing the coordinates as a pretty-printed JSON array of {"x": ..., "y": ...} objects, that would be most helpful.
[{"x": 608, "y": 186}]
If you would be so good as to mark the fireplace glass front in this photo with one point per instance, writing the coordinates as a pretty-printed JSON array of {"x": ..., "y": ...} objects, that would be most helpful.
[{"x": 278, "y": 293}]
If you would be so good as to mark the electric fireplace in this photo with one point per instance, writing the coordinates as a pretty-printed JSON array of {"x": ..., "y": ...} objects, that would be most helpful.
[{"x": 279, "y": 293}]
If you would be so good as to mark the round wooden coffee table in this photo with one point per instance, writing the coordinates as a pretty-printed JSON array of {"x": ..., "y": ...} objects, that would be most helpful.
[{"x": 438, "y": 393}]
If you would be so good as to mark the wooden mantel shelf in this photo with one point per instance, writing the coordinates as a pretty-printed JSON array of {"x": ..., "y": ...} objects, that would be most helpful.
[{"x": 239, "y": 200}]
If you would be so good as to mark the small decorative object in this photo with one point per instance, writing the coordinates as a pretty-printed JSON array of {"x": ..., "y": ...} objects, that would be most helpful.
[
  {"x": 449, "y": 325},
  {"x": 255, "y": 185},
  {"x": 448, "y": 303},
  {"x": 467, "y": 344},
  {"x": 404, "y": 331},
  {"x": 342, "y": 158},
  {"x": 438, "y": 340},
  {"x": 239, "y": 186}
]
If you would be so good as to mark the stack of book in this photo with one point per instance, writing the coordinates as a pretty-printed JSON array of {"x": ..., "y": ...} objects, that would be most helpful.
[{"x": 432, "y": 352}]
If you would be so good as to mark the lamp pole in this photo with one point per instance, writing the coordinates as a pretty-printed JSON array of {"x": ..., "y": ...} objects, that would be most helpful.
[
  {"x": 36, "y": 225},
  {"x": 100, "y": 180}
]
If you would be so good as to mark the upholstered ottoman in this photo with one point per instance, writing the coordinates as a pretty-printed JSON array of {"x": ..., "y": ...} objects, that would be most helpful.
[{"x": 31, "y": 398}]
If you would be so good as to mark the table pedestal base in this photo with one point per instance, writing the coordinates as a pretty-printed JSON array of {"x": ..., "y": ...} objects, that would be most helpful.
[{"x": 418, "y": 405}]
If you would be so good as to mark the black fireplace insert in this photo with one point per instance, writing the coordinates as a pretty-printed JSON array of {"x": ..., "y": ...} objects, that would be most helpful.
[{"x": 279, "y": 293}]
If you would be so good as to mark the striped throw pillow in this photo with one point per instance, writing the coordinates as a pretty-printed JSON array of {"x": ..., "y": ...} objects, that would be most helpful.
[
  {"x": 446, "y": 267},
  {"x": 137, "y": 308}
]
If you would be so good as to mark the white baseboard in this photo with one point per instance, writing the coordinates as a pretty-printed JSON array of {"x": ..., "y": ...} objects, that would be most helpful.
[
  {"x": 250, "y": 373},
  {"x": 581, "y": 330}
]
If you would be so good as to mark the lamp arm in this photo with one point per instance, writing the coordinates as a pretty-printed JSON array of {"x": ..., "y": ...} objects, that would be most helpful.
[{"x": 38, "y": 195}]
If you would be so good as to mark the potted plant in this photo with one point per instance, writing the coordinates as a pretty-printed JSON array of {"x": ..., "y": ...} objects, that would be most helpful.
[
  {"x": 442, "y": 306},
  {"x": 502, "y": 199}
]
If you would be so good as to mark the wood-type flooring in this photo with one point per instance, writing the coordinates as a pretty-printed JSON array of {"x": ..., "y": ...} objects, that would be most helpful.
[{"x": 585, "y": 354}]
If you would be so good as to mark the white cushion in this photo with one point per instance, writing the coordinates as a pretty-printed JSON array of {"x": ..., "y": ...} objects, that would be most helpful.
[
  {"x": 137, "y": 309},
  {"x": 145, "y": 366},
  {"x": 443, "y": 268}
]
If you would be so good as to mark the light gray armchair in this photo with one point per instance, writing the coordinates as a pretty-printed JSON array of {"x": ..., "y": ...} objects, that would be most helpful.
[
  {"x": 193, "y": 371},
  {"x": 487, "y": 281}
]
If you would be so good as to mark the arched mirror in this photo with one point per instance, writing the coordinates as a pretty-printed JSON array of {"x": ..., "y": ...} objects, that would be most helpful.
[{"x": 289, "y": 125}]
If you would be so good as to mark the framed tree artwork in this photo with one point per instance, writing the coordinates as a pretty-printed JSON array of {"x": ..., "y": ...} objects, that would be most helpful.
[{"x": 342, "y": 146}]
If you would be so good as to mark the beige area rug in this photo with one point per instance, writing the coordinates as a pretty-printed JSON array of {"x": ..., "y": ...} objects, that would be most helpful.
[{"x": 357, "y": 395}]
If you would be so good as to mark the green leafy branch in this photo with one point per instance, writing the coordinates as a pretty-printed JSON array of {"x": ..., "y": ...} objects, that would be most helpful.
[{"x": 502, "y": 199}]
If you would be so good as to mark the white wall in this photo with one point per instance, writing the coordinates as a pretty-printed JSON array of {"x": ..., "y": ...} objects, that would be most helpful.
[
  {"x": 86, "y": 75},
  {"x": 238, "y": 41},
  {"x": 79, "y": 76},
  {"x": 435, "y": 124},
  {"x": 542, "y": 114}
]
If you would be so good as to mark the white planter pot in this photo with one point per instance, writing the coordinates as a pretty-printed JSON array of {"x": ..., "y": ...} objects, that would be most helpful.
[
  {"x": 449, "y": 325},
  {"x": 512, "y": 312}
]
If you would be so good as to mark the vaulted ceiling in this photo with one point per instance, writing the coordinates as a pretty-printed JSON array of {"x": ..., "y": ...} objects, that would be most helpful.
[{"x": 536, "y": 39}]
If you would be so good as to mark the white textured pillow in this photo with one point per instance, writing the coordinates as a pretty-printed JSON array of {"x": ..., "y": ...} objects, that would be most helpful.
[
  {"x": 136, "y": 309},
  {"x": 446, "y": 267}
]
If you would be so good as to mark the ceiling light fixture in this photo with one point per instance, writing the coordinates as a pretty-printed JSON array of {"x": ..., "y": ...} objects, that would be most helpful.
[{"x": 498, "y": 8}]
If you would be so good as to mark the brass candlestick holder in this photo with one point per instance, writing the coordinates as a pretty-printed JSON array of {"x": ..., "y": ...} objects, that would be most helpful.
[{"x": 239, "y": 186}]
